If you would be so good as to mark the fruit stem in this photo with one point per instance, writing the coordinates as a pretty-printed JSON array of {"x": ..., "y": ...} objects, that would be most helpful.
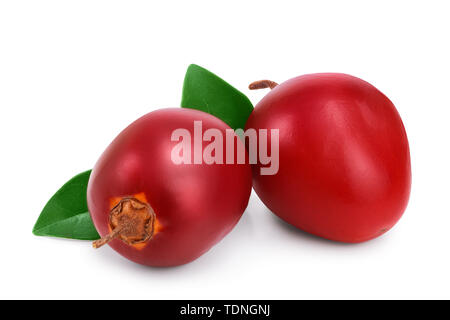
[
  {"x": 262, "y": 84},
  {"x": 104, "y": 240}
]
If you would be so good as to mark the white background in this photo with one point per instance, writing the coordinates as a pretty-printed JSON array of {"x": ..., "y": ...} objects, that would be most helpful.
[{"x": 75, "y": 73}]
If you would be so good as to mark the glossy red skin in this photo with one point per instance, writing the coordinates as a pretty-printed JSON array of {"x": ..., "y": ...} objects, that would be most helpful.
[
  {"x": 345, "y": 171},
  {"x": 195, "y": 205}
]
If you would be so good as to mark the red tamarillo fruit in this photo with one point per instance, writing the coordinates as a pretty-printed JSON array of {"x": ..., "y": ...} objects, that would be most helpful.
[
  {"x": 344, "y": 162},
  {"x": 159, "y": 212}
]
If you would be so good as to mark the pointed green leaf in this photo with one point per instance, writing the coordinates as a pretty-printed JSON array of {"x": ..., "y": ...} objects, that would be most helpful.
[
  {"x": 66, "y": 214},
  {"x": 203, "y": 90}
]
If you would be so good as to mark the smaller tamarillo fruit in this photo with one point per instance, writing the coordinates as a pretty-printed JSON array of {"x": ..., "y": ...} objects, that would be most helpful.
[
  {"x": 159, "y": 212},
  {"x": 344, "y": 163}
]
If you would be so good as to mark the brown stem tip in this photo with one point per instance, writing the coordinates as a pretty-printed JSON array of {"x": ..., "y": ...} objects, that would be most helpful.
[
  {"x": 262, "y": 84},
  {"x": 131, "y": 221}
]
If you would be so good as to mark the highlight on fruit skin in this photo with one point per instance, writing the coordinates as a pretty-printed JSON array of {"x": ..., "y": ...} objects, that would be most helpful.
[
  {"x": 158, "y": 213},
  {"x": 344, "y": 171}
]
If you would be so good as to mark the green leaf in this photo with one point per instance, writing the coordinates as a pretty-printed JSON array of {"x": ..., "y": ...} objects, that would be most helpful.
[
  {"x": 203, "y": 90},
  {"x": 66, "y": 214}
]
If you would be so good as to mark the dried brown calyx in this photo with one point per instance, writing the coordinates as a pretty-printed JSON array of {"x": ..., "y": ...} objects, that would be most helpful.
[{"x": 131, "y": 221}]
